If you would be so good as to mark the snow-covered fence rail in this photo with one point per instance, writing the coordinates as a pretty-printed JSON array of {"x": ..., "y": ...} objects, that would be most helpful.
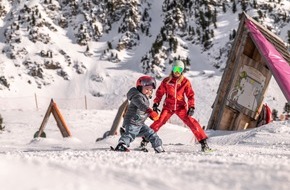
[{"x": 36, "y": 102}]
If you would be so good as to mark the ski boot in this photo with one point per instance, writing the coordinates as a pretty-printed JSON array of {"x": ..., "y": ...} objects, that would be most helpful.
[
  {"x": 159, "y": 149},
  {"x": 121, "y": 147},
  {"x": 122, "y": 130},
  {"x": 204, "y": 146},
  {"x": 143, "y": 143}
]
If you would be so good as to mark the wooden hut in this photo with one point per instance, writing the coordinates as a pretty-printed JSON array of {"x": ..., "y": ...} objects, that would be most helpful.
[{"x": 246, "y": 77}]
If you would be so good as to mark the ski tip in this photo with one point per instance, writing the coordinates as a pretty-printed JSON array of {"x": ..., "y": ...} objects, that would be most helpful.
[
  {"x": 141, "y": 149},
  {"x": 209, "y": 151}
]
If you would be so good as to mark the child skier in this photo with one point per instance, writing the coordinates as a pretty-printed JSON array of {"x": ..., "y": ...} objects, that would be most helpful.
[
  {"x": 176, "y": 87},
  {"x": 137, "y": 112}
]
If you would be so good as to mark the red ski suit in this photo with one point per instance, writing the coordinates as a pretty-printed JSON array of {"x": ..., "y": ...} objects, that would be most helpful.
[{"x": 175, "y": 90}]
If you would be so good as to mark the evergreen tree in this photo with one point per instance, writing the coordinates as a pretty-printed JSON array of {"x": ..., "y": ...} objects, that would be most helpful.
[
  {"x": 187, "y": 61},
  {"x": 287, "y": 108},
  {"x": 202, "y": 20},
  {"x": 175, "y": 45},
  {"x": 255, "y": 4},
  {"x": 244, "y": 5},
  {"x": 33, "y": 20},
  {"x": 214, "y": 18},
  {"x": 260, "y": 13},
  {"x": 193, "y": 31},
  {"x": 234, "y": 34},
  {"x": 1, "y": 123},
  {"x": 224, "y": 8},
  {"x": 147, "y": 31},
  {"x": 234, "y": 8},
  {"x": 198, "y": 31},
  {"x": 288, "y": 32},
  {"x": 109, "y": 45},
  {"x": 275, "y": 114},
  {"x": 212, "y": 33}
]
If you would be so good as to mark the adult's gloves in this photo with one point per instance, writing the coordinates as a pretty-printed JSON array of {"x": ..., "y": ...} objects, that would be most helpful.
[
  {"x": 190, "y": 111},
  {"x": 152, "y": 114},
  {"x": 155, "y": 107}
]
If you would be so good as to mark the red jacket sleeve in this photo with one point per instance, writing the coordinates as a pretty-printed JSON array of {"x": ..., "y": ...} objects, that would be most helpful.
[
  {"x": 189, "y": 94},
  {"x": 160, "y": 92}
]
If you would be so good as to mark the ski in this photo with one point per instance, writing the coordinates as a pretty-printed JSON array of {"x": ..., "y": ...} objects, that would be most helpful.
[
  {"x": 143, "y": 149},
  {"x": 113, "y": 149},
  {"x": 136, "y": 149},
  {"x": 208, "y": 151}
]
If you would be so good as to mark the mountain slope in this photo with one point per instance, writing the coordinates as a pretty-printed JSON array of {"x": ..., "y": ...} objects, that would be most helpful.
[{"x": 71, "y": 49}]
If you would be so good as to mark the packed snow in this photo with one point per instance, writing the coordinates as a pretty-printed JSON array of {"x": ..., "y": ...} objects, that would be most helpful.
[
  {"x": 253, "y": 159},
  {"x": 242, "y": 160}
]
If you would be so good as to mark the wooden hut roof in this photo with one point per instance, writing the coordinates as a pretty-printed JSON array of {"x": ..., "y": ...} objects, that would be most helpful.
[{"x": 272, "y": 38}]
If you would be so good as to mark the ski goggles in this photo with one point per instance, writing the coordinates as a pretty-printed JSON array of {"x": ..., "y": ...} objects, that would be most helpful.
[{"x": 177, "y": 69}]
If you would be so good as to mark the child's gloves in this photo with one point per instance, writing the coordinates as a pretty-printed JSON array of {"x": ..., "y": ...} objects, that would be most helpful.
[
  {"x": 190, "y": 111},
  {"x": 155, "y": 107},
  {"x": 152, "y": 114}
]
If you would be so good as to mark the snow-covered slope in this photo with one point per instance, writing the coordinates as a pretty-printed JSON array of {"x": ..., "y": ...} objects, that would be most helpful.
[
  {"x": 60, "y": 49},
  {"x": 64, "y": 54},
  {"x": 252, "y": 159}
]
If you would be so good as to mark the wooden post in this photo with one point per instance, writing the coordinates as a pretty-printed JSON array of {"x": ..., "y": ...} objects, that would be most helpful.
[
  {"x": 60, "y": 121},
  {"x": 52, "y": 108},
  {"x": 45, "y": 119},
  {"x": 122, "y": 109},
  {"x": 36, "y": 103},
  {"x": 86, "y": 105}
]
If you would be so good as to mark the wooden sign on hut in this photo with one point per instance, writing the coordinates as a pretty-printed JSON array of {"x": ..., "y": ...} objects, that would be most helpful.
[{"x": 256, "y": 55}]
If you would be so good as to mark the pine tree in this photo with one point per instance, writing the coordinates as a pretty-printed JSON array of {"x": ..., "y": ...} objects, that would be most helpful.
[
  {"x": 1, "y": 123},
  {"x": 287, "y": 108},
  {"x": 288, "y": 32},
  {"x": 224, "y": 8},
  {"x": 234, "y": 8},
  {"x": 275, "y": 114},
  {"x": 33, "y": 20},
  {"x": 214, "y": 18},
  {"x": 234, "y": 34},
  {"x": 202, "y": 20},
  {"x": 110, "y": 45},
  {"x": 255, "y": 4},
  {"x": 244, "y": 5},
  {"x": 175, "y": 45}
]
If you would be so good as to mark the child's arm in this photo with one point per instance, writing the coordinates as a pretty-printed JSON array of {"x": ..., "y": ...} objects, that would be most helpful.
[{"x": 139, "y": 101}]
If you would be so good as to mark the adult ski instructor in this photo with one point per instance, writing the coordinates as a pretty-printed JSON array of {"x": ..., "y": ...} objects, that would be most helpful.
[{"x": 176, "y": 87}]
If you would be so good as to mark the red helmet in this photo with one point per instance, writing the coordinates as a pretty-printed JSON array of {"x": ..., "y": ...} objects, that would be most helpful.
[{"x": 146, "y": 81}]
